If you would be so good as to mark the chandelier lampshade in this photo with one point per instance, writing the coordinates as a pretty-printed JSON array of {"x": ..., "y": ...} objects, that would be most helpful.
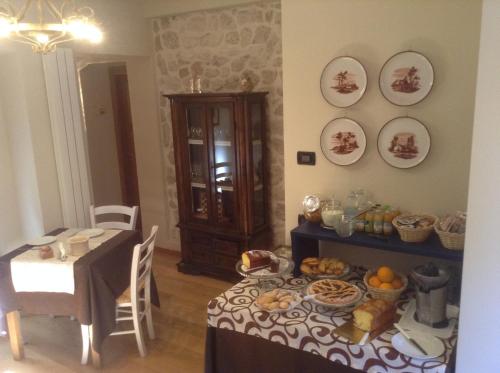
[{"x": 44, "y": 24}]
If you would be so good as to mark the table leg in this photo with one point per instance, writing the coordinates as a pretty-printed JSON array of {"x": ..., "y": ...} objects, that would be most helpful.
[
  {"x": 302, "y": 248},
  {"x": 96, "y": 356},
  {"x": 85, "y": 343},
  {"x": 15, "y": 336}
]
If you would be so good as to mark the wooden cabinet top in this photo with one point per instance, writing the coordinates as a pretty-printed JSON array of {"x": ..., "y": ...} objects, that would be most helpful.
[{"x": 213, "y": 94}]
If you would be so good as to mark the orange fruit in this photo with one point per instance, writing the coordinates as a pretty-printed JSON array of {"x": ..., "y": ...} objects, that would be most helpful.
[
  {"x": 385, "y": 274},
  {"x": 386, "y": 285},
  {"x": 374, "y": 281},
  {"x": 397, "y": 283}
]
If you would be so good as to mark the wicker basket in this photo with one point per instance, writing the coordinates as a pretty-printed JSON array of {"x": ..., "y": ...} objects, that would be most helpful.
[
  {"x": 414, "y": 234},
  {"x": 452, "y": 241},
  {"x": 391, "y": 295}
]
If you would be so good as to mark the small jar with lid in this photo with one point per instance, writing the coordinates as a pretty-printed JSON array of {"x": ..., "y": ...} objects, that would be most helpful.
[
  {"x": 312, "y": 208},
  {"x": 378, "y": 222},
  {"x": 331, "y": 213}
]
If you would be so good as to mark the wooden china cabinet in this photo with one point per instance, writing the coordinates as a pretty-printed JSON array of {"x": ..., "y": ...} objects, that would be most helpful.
[{"x": 220, "y": 162}]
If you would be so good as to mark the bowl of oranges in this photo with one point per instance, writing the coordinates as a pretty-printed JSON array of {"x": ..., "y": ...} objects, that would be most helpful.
[{"x": 385, "y": 283}]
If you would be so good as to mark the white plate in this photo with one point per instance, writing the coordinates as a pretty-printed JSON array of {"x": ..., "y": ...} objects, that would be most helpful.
[
  {"x": 297, "y": 299},
  {"x": 406, "y": 78},
  {"x": 404, "y": 142},
  {"x": 343, "y": 81},
  {"x": 41, "y": 241},
  {"x": 343, "y": 141},
  {"x": 91, "y": 233},
  {"x": 434, "y": 346}
]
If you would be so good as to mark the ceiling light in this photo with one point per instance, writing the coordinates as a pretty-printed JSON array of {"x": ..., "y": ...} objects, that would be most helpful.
[{"x": 51, "y": 25}]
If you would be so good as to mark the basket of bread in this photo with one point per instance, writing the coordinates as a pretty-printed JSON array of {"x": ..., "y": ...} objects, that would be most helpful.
[
  {"x": 317, "y": 268},
  {"x": 385, "y": 283},
  {"x": 451, "y": 230},
  {"x": 414, "y": 228}
]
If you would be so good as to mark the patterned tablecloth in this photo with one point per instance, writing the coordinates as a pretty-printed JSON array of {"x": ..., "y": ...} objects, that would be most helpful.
[{"x": 309, "y": 327}]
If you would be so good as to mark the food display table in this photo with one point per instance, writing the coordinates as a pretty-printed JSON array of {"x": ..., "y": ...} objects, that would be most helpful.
[
  {"x": 242, "y": 338},
  {"x": 306, "y": 237}
]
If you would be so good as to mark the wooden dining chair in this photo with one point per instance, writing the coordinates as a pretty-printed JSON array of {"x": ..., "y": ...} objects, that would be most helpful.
[
  {"x": 131, "y": 212},
  {"x": 135, "y": 303}
]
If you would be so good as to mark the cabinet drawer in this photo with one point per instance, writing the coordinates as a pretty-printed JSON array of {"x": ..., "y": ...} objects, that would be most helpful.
[
  {"x": 200, "y": 239},
  {"x": 230, "y": 248},
  {"x": 201, "y": 254}
]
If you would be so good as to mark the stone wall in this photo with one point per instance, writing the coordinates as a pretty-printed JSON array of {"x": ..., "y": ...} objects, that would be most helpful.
[{"x": 221, "y": 46}]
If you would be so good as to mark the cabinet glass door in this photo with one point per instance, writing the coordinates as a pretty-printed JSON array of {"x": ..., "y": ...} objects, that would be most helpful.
[
  {"x": 256, "y": 125},
  {"x": 198, "y": 164},
  {"x": 221, "y": 122}
]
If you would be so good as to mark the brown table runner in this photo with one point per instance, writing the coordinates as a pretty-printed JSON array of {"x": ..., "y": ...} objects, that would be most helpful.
[{"x": 100, "y": 277}]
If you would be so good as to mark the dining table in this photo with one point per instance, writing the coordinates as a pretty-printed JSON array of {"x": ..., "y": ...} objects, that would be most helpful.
[
  {"x": 242, "y": 338},
  {"x": 88, "y": 292}
]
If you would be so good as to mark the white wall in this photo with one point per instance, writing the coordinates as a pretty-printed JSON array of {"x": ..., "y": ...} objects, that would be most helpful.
[
  {"x": 478, "y": 346},
  {"x": 10, "y": 220},
  {"x": 101, "y": 136},
  {"x": 150, "y": 170},
  {"x": 24, "y": 102},
  {"x": 316, "y": 31}
]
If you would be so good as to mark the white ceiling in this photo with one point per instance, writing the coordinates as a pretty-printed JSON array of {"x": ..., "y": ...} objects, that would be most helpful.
[{"x": 157, "y": 8}]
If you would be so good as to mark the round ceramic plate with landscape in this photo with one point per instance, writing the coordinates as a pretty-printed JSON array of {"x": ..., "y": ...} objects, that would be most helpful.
[
  {"x": 343, "y": 81},
  {"x": 404, "y": 142},
  {"x": 343, "y": 141},
  {"x": 406, "y": 78}
]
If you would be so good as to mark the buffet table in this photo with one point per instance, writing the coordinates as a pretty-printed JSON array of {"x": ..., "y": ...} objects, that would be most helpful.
[{"x": 242, "y": 338}]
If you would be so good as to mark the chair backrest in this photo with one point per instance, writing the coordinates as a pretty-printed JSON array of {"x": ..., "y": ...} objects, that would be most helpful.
[
  {"x": 131, "y": 212},
  {"x": 140, "y": 275}
]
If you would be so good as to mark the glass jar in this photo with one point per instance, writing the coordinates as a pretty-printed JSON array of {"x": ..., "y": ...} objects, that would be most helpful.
[
  {"x": 312, "y": 208},
  {"x": 331, "y": 213},
  {"x": 345, "y": 227},
  {"x": 351, "y": 205}
]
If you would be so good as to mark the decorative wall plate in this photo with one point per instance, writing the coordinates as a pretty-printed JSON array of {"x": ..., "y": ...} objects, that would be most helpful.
[
  {"x": 343, "y": 81},
  {"x": 404, "y": 142},
  {"x": 343, "y": 141},
  {"x": 406, "y": 78}
]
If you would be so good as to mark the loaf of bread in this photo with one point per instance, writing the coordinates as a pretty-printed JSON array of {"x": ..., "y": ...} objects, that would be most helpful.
[
  {"x": 256, "y": 258},
  {"x": 373, "y": 314}
]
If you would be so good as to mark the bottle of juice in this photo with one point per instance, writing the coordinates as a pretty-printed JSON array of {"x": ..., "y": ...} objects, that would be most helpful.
[
  {"x": 378, "y": 222},
  {"x": 388, "y": 216},
  {"x": 369, "y": 221}
]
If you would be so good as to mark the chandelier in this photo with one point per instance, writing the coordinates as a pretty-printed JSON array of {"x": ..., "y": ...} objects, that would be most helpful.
[{"x": 48, "y": 24}]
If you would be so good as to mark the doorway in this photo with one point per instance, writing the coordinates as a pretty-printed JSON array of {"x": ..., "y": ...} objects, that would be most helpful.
[{"x": 110, "y": 134}]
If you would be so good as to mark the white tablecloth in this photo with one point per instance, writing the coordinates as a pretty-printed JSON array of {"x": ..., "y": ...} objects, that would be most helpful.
[{"x": 30, "y": 273}]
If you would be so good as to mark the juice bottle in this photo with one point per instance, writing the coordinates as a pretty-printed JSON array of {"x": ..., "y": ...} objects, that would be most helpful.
[
  {"x": 369, "y": 221},
  {"x": 378, "y": 222}
]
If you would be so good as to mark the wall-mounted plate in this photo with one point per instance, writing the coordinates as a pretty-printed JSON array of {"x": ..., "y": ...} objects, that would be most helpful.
[
  {"x": 343, "y": 81},
  {"x": 343, "y": 141}
]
